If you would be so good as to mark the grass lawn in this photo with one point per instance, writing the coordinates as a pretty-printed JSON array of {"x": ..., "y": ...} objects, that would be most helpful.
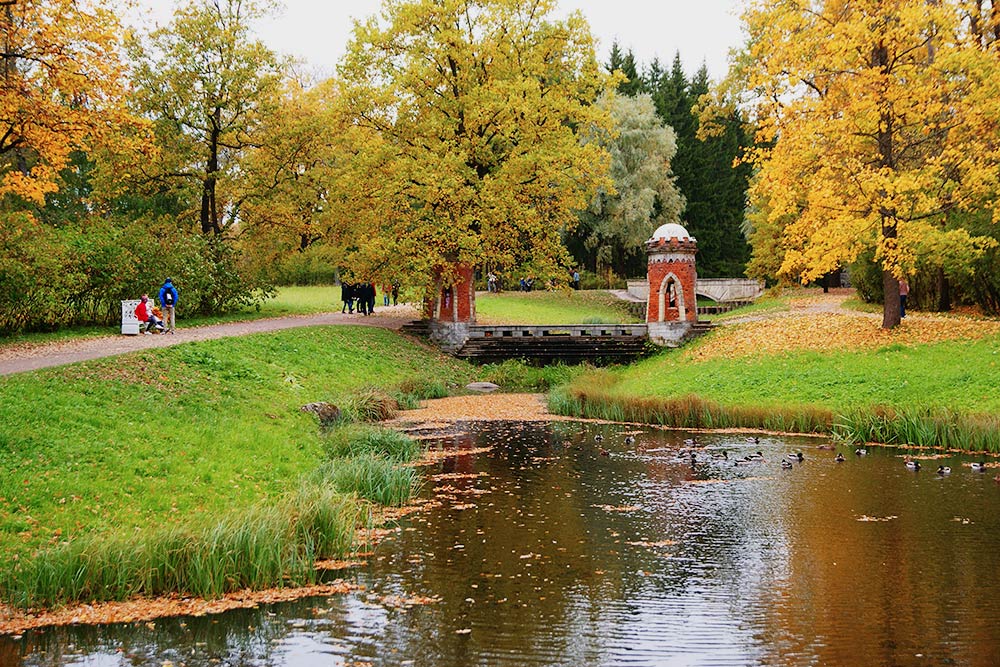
[
  {"x": 168, "y": 436},
  {"x": 958, "y": 375},
  {"x": 556, "y": 307}
]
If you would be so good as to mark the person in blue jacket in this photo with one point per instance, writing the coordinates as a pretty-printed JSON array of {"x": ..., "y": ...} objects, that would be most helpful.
[{"x": 168, "y": 301}]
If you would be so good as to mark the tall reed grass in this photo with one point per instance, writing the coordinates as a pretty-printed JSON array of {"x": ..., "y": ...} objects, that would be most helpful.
[
  {"x": 262, "y": 547},
  {"x": 688, "y": 412},
  {"x": 373, "y": 478},
  {"x": 924, "y": 427},
  {"x": 358, "y": 440}
]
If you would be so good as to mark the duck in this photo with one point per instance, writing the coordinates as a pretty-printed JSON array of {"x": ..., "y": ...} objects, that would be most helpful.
[
  {"x": 629, "y": 439},
  {"x": 978, "y": 466},
  {"x": 796, "y": 456},
  {"x": 787, "y": 465},
  {"x": 824, "y": 447},
  {"x": 604, "y": 452},
  {"x": 943, "y": 470},
  {"x": 839, "y": 458},
  {"x": 759, "y": 456},
  {"x": 913, "y": 465},
  {"x": 724, "y": 456},
  {"x": 754, "y": 440},
  {"x": 598, "y": 438},
  {"x": 860, "y": 451},
  {"x": 691, "y": 441}
]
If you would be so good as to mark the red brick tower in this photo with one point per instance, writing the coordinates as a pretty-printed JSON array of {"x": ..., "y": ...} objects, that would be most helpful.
[
  {"x": 453, "y": 310},
  {"x": 672, "y": 308}
]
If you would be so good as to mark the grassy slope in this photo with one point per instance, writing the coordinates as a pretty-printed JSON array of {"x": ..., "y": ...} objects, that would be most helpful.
[
  {"x": 959, "y": 375},
  {"x": 558, "y": 307},
  {"x": 169, "y": 435}
]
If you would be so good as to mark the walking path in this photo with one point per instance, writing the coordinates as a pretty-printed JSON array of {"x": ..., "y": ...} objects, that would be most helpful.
[{"x": 29, "y": 357}]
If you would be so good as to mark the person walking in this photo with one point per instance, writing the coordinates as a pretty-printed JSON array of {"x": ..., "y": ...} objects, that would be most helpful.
[
  {"x": 904, "y": 291},
  {"x": 347, "y": 296},
  {"x": 168, "y": 301}
]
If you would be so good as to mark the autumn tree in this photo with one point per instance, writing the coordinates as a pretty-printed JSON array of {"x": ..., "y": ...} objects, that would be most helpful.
[
  {"x": 206, "y": 82},
  {"x": 297, "y": 193},
  {"x": 877, "y": 120},
  {"x": 477, "y": 106},
  {"x": 61, "y": 88},
  {"x": 617, "y": 223}
]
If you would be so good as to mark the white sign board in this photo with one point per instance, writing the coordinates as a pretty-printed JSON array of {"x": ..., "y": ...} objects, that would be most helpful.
[{"x": 130, "y": 323}]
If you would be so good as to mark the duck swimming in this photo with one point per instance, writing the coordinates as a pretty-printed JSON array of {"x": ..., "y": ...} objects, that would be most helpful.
[
  {"x": 629, "y": 439},
  {"x": 598, "y": 437},
  {"x": 724, "y": 456},
  {"x": 796, "y": 456},
  {"x": 913, "y": 465},
  {"x": 943, "y": 470},
  {"x": 978, "y": 466},
  {"x": 754, "y": 440},
  {"x": 861, "y": 451},
  {"x": 691, "y": 441},
  {"x": 839, "y": 458},
  {"x": 787, "y": 465}
]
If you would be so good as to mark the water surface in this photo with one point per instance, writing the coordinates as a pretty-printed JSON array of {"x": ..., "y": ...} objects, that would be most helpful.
[{"x": 556, "y": 549}]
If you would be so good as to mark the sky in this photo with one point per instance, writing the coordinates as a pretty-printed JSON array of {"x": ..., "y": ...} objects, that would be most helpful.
[{"x": 317, "y": 31}]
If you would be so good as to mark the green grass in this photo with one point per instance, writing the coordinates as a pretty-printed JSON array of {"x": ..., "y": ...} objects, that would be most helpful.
[
  {"x": 356, "y": 440},
  {"x": 556, "y": 307},
  {"x": 762, "y": 306},
  {"x": 942, "y": 395},
  {"x": 164, "y": 436},
  {"x": 263, "y": 546}
]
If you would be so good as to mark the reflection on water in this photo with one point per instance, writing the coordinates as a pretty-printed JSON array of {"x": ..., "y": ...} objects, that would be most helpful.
[{"x": 556, "y": 549}]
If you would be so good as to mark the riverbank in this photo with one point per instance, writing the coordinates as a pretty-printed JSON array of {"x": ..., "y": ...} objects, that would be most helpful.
[{"x": 816, "y": 367}]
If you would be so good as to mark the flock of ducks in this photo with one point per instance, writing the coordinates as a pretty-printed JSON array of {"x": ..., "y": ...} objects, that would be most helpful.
[{"x": 790, "y": 459}]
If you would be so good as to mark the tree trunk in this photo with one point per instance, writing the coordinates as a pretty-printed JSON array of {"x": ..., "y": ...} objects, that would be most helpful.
[
  {"x": 209, "y": 209},
  {"x": 890, "y": 302},
  {"x": 943, "y": 292}
]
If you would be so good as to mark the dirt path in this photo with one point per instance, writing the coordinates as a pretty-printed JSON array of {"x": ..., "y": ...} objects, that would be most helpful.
[{"x": 29, "y": 357}]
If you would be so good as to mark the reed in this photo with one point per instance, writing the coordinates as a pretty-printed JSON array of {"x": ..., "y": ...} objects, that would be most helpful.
[
  {"x": 687, "y": 411},
  {"x": 373, "y": 478},
  {"x": 939, "y": 428},
  {"x": 361, "y": 440},
  {"x": 262, "y": 547},
  {"x": 371, "y": 405}
]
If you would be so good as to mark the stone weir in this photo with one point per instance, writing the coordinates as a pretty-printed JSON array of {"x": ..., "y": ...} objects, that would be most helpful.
[{"x": 598, "y": 344}]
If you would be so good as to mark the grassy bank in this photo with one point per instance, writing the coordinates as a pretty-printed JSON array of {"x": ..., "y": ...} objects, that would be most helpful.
[
  {"x": 931, "y": 394},
  {"x": 166, "y": 443},
  {"x": 556, "y": 307}
]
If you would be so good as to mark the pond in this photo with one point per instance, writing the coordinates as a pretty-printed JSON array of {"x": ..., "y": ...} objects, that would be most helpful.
[{"x": 551, "y": 548}]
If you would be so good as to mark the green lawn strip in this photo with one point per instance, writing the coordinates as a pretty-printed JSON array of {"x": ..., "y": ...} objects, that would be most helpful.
[
  {"x": 937, "y": 386},
  {"x": 556, "y": 307},
  {"x": 764, "y": 305},
  {"x": 163, "y": 437}
]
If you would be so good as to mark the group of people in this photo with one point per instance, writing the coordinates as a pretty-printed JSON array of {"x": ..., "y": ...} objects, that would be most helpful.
[
  {"x": 158, "y": 318},
  {"x": 361, "y": 295}
]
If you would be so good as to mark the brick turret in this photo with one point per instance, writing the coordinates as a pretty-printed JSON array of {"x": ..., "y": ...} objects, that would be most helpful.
[{"x": 672, "y": 308}]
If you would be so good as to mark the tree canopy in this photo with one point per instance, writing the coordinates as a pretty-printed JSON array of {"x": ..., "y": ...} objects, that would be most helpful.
[
  {"x": 475, "y": 109},
  {"x": 877, "y": 124}
]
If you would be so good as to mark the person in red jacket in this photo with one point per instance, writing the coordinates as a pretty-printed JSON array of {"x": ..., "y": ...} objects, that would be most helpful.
[{"x": 144, "y": 313}]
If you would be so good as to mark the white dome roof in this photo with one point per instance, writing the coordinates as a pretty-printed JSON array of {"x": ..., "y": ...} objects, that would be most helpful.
[{"x": 671, "y": 230}]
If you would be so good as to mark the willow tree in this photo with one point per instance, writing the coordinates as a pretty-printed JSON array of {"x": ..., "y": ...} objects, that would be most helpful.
[
  {"x": 61, "y": 89},
  {"x": 617, "y": 223},
  {"x": 475, "y": 109},
  {"x": 877, "y": 121}
]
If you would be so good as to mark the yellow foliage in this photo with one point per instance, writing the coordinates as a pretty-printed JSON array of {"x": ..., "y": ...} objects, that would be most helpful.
[
  {"x": 474, "y": 155},
  {"x": 62, "y": 90},
  {"x": 877, "y": 119}
]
